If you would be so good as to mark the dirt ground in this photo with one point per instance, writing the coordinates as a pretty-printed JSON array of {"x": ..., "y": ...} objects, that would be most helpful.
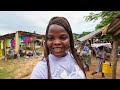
[
  {"x": 25, "y": 71},
  {"x": 98, "y": 75},
  {"x": 25, "y": 67}
]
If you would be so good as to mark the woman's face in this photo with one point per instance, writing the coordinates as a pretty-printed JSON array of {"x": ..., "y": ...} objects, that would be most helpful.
[{"x": 57, "y": 40}]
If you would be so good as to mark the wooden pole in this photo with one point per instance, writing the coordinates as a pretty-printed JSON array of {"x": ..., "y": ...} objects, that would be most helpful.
[
  {"x": 34, "y": 51},
  {"x": 113, "y": 57},
  {"x": 17, "y": 45},
  {"x": 5, "y": 53},
  {"x": 33, "y": 46},
  {"x": 25, "y": 48}
]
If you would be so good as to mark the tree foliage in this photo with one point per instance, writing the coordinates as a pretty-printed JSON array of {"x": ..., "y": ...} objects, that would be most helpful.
[
  {"x": 77, "y": 36},
  {"x": 105, "y": 16},
  {"x": 83, "y": 34}
]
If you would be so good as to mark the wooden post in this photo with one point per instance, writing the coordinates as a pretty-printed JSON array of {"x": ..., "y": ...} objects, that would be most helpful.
[
  {"x": 25, "y": 48},
  {"x": 5, "y": 53},
  {"x": 33, "y": 46},
  {"x": 113, "y": 57},
  {"x": 17, "y": 45},
  {"x": 34, "y": 51}
]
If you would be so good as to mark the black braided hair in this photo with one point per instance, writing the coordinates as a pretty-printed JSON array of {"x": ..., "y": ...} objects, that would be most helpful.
[{"x": 62, "y": 21}]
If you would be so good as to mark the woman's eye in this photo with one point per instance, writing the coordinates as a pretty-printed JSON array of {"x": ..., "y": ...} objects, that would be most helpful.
[
  {"x": 64, "y": 38},
  {"x": 50, "y": 38}
]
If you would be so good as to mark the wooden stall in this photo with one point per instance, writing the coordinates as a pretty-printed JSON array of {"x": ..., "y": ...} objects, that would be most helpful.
[
  {"x": 15, "y": 39},
  {"x": 114, "y": 31}
]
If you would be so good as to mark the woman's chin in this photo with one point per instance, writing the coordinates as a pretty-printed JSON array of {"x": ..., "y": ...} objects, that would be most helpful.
[{"x": 59, "y": 54}]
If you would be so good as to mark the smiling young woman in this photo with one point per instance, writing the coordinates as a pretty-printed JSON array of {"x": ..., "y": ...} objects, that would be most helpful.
[{"x": 61, "y": 60}]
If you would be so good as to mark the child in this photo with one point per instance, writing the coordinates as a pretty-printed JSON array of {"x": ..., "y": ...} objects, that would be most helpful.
[
  {"x": 61, "y": 60},
  {"x": 100, "y": 56}
]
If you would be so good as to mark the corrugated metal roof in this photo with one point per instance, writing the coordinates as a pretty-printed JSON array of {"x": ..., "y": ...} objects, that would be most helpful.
[
  {"x": 22, "y": 33},
  {"x": 86, "y": 37},
  {"x": 110, "y": 28},
  {"x": 114, "y": 26},
  {"x": 91, "y": 35}
]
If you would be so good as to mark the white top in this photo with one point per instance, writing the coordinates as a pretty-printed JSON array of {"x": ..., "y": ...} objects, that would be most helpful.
[{"x": 61, "y": 68}]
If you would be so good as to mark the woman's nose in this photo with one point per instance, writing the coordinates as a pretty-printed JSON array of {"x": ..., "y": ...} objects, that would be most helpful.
[{"x": 57, "y": 42}]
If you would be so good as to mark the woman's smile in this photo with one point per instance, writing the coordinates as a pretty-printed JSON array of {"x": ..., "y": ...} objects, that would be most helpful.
[{"x": 57, "y": 50}]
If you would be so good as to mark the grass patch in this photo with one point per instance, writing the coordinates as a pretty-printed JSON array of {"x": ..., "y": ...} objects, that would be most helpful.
[
  {"x": 4, "y": 73},
  {"x": 8, "y": 68},
  {"x": 15, "y": 69}
]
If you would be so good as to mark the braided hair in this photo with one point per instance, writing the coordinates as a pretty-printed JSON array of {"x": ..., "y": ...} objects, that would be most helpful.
[{"x": 62, "y": 21}]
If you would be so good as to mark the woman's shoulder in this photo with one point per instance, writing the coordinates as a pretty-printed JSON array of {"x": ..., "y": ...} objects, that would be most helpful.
[
  {"x": 42, "y": 63},
  {"x": 40, "y": 70}
]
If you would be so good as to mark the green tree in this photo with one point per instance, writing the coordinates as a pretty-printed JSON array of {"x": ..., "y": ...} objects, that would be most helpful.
[
  {"x": 105, "y": 17},
  {"x": 83, "y": 34},
  {"x": 76, "y": 36}
]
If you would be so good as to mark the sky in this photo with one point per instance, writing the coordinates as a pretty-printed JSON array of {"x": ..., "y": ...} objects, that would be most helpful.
[{"x": 30, "y": 21}]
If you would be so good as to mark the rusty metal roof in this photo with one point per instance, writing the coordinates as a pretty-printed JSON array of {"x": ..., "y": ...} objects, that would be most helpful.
[
  {"x": 114, "y": 26},
  {"x": 21, "y": 33}
]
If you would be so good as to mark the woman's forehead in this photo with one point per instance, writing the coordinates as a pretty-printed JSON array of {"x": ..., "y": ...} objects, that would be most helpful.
[{"x": 56, "y": 29}]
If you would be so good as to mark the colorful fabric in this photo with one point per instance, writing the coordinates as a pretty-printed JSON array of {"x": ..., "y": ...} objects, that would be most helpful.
[
  {"x": 8, "y": 44},
  {"x": 28, "y": 39},
  {"x": 1, "y": 53},
  {"x": 19, "y": 41},
  {"x": 13, "y": 43},
  {"x": 25, "y": 39},
  {"x": 1, "y": 44},
  {"x": 31, "y": 38},
  {"x": 8, "y": 51},
  {"x": 11, "y": 52}
]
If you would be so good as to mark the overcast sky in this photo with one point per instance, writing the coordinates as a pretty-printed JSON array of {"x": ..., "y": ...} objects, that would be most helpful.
[{"x": 12, "y": 21}]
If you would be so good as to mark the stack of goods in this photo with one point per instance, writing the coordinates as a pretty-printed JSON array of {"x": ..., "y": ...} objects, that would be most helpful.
[{"x": 27, "y": 39}]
